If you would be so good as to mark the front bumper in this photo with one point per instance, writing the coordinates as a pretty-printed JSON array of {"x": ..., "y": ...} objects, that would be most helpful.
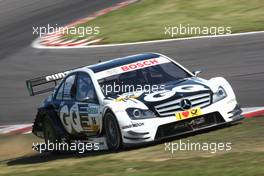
[
  {"x": 149, "y": 132},
  {"x": 192, "y": 125}
]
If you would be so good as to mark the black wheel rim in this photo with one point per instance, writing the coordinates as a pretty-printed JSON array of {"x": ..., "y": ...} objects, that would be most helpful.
[{"x": 112, "y": 131}]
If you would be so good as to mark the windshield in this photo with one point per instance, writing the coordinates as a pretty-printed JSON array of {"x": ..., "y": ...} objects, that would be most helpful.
[{"x": 149, "y": 76}]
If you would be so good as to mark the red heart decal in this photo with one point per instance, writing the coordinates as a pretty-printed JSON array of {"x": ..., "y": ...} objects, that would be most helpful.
[{"x": 185, "y": 113}]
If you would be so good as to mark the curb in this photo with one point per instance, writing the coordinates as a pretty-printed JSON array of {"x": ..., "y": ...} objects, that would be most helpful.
[
  {"x": 94, "y": 43},
  {"x": 253, "y": 113},
  {"x": 16, "y": 129},
  {"x": 26, "y": 128},
  {"x": 57, "y": 39}
]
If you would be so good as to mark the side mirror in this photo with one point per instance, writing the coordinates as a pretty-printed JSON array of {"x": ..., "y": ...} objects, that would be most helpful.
[{"x": 196, "y": 73}]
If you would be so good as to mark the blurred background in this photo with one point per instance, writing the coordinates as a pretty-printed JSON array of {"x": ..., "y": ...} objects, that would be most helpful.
[{"x": 239, "y": 58}]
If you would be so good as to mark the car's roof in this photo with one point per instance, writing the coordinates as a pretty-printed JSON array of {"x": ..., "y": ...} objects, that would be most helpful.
[{"x": 121, "y": 61}]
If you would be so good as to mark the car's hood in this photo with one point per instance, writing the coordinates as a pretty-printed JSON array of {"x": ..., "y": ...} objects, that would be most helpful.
[{"x": 167, "y": 101}]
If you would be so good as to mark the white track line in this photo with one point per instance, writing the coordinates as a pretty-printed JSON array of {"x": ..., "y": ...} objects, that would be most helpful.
[{"x": 36, "y": 43}]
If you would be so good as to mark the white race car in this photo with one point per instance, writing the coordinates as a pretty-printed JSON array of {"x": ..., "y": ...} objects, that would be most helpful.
[{"x": 131, "y": 100}]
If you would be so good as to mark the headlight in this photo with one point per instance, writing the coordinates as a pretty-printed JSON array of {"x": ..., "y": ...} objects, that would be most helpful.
[
  {"x": 219, "y": 95},
  {"x": 136, "y": 114}
]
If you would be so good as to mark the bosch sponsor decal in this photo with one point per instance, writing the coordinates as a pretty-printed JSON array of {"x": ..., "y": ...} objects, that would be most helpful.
[
  {"x": 140, "y": 64},
  {"x": 131, "y": 67}
]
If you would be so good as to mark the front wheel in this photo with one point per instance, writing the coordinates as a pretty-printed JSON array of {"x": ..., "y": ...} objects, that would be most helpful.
[{"x": 112, "y": 132}]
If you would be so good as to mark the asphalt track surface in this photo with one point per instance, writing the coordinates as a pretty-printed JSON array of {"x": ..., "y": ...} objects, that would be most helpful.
[{"x": 238, "y": 58}]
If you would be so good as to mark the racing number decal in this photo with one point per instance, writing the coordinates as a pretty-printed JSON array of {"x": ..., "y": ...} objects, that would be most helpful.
[
  {"x": 70, "y": 118},
  {"x": 65, "y": 118},
  {"x": 165, "y": 94},
  {"x": 158, "y": 96},
  {"x": 80, "y": 117}
]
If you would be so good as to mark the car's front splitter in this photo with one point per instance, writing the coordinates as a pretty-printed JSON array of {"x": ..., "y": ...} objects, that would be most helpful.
[{"x": 179, "y": 128}]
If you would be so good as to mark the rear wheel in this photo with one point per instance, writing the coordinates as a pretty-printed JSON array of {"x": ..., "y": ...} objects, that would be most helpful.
[
  {"x": 112, "y": 132},
  {"x": 50, "y": 134}
]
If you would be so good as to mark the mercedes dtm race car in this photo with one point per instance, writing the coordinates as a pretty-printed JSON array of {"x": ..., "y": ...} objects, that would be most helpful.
[{"x": 131, "y": 100}]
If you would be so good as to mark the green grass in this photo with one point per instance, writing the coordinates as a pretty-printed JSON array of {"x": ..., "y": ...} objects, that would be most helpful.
[
  {"x": 146, "y": 19},
  {"x": 12, "y": 146},
  {"x": 245, "y": 159}
]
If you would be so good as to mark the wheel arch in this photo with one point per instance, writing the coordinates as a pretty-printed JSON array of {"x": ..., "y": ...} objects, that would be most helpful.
[
  {"x": 106, "y": 110},
  {"x": 51, "y": 114},
  {"x": 110, "y": 110}
]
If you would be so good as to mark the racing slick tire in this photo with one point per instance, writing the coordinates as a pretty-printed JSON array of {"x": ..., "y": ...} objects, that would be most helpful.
[
  {"x": 50, "y": 135},
  {"x": 112, "y": 132}
]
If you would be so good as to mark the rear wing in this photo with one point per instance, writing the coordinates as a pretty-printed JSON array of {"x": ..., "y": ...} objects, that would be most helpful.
[{"x": 44, "y": 84}]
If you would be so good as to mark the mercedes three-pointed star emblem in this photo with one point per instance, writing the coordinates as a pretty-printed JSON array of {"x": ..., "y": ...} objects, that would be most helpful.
[{"x": 185, "y": 104}]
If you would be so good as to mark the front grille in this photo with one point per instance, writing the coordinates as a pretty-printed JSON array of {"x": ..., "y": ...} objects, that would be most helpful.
[
  {"x": 188, "y": 125},
  {"x": 173, "y": 106}
]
